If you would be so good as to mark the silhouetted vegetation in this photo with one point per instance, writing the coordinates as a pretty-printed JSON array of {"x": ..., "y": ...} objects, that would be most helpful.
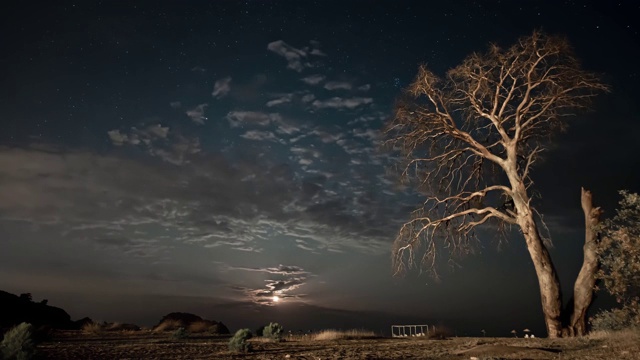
[
  {"x": 273, "y": 331},
  {"x": 18, "y": 343},
  {"x": 238, "y": 342},
  {"x": 180, "y": 334},
  {"x": 619, "y": 256},
  {"x": 192, "y": 323},
  {"x": 18, "y": 309}
]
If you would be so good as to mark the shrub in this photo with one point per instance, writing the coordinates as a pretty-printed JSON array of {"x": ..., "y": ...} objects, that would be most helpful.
[
  {"x": 180, "y": 334},
  {"x": 615, "y": 320},
  {"x": 273, "y": 331},
  {"x": 92, "y": 328},
  {"x": 18, "y": 343},
  {"x": 238, "y": 342}
]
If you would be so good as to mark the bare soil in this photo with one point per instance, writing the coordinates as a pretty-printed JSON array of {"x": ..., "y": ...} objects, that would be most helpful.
[{"x": 147, "y": 345}]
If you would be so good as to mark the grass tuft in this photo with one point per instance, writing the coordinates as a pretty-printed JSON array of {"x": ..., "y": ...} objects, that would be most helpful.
[
  {"x": 341, "y": 335},
  {"x": 168, "y": 325}
]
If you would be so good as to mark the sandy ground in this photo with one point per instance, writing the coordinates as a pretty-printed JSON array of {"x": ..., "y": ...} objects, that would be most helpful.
[{"x": 143, "y": 345}]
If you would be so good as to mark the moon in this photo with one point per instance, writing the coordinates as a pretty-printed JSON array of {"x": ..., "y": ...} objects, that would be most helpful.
[{"x": 276, "y": 298}]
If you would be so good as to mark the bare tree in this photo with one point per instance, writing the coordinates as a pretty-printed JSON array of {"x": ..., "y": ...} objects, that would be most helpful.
[{"x": 471, "y": 140}]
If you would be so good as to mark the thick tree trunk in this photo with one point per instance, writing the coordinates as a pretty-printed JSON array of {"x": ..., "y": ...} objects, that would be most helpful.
[
  {"x": 548, "y": 281},
  {"x": 586, "y": 280},
  {"x": 550, "y": 292}
]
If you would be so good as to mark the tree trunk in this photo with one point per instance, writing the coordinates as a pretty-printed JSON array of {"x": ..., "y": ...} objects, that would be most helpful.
[
  {"x": 586, "y": 280},
  {"x": 548, "y": 281}
]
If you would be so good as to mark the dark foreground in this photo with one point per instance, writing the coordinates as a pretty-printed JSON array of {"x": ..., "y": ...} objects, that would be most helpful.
[{"x": 145, "y": 345}]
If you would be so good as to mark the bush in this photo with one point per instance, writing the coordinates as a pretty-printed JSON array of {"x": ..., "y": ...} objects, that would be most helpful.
[
  {"x": 619, "y": 256},
  {"x": 273, "y": 331},
  {"x": 615, "y": 320},
  {"x": 91, "y": 328},
  {"x": 18, "y": 343},
  {"x": 238, "y": 342},
  {"x": 181, "y": 333}
]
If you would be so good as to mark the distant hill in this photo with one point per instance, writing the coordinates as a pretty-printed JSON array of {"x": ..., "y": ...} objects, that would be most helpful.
[
  {"x": 15, "y": 309},
  {"x": 191, "y": 322}
]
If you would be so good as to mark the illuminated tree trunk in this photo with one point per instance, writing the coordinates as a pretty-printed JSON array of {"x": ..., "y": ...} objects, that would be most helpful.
[
  {"x": 550, "y": 292},
  {"x": 586, "y": 280}
]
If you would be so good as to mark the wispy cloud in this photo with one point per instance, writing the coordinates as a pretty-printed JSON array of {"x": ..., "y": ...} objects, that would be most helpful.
[
  {"x": 258, "y": 135},
  {"x": 308, "y": 98},
  {"x": 282, "y": 281},
  {"x": 293, "y": 56},
  {"x": 278, "y": 270},
  {"x": 342, "y": 103},
  {"x": 197, "y": 114},
  {"x": 337, "y": 85},
  {"x": 297, "y": 59},
  {"x": 153, "y": 139},
  {"x": 239, "y": 118},
  {"x": 313, "y": 79},
  {"x": 118, "y": 138},
  {"x": 282, "y": 99},
  {"x": 221, "y": 88}
]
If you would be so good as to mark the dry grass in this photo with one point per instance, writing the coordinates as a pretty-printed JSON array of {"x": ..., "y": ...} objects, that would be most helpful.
[
  {"x": 340, "y": 335},
  {"x": 627, "y": 334},
  {"x": 92, "y": 328},
  {"x": 168, "y": 325},
  {"x": 199, "y": 327}
]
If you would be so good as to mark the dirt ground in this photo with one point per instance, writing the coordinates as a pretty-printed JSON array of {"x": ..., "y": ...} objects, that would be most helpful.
[{"x": 145, "y": 345}]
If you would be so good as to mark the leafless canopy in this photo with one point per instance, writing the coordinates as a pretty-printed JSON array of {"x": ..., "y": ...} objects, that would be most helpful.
[{"x": 472, "y": 137}]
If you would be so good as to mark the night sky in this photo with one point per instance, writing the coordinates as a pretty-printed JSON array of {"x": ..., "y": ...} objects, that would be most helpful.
[{"x": 206, "y": 156}]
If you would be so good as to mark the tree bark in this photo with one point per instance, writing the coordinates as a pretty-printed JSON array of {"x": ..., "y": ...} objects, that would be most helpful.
[
  {"x": 550, "y": 293},
  {"x": 548, "y": 281},
  {"x": 586, "y": 280}
]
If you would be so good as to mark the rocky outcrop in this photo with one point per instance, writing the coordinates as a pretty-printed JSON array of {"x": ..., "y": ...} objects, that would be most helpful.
[
  {"x": 190, "y": 322},
  {"x": 17, "y": 309}
]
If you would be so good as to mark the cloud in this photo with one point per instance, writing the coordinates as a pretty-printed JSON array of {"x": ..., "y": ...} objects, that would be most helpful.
[
  {"x": 215, "y": 200},
  {"x": 293, "y": 56},
  {"x": 365, "y": 87},
  {"x": 283, "y": 99},
  {"x": 157, "y": 131},
  {"x": 119, "y": 139},
  {"x": 341, "y": 103},
  {"x": 239, "y": 118},
  {"x": 308, "y": 98},
  {"x": 137, "y": 136},
  {"x": 154, "y": 140},
  {"x": 315, "y": 48},
  {"x": 278, "y": 270},
  {"x": 282, "y": 281},
  {"x": 369, "y": 134},
  {"x": 313, "y": 79},
  {"x": 258, "y": 135},
  {"x": 175, "y": 104},
  {"x": 221, "y": 88},
  {"x": 198, "y": 69},
  {"x": 337, "y": 85},
  {"x": 197, "y": 114}
]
